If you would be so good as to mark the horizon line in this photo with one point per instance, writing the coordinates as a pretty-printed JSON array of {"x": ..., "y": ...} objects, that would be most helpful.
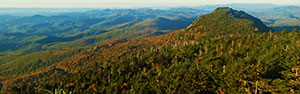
[{"x": 141, "y": 6}]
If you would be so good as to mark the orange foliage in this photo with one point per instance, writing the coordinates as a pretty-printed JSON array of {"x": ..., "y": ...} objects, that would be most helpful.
[
  {"x": 167, "y": 70},
  {"x": 124, "y": 85},
  {"x": 70, "y": 84},
  {"x": 200, "y": 58},
  {"x": 92, "y": 87}
]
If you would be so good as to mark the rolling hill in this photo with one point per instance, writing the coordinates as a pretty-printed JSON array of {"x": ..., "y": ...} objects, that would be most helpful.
[{"x": 29, "y": 34}]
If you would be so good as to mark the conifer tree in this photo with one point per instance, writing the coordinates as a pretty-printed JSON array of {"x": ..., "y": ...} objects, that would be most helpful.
[
  {"x": 284, "y": 31},
  {"x": 295, "y": 30}
]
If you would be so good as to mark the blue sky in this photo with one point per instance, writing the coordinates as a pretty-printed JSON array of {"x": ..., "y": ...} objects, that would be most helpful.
[{"x": 131, "y": 3}]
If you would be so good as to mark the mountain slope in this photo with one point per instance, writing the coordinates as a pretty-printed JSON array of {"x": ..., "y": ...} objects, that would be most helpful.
[
  {"x": 165, "y": 24},
  {"x": 191, "y": 60},
  {"x": 205, "y": 26},
  {"x": 128, "y": 31}
]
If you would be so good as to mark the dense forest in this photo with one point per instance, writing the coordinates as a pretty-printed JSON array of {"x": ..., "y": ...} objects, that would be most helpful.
[{"x": 226, "y": 51}]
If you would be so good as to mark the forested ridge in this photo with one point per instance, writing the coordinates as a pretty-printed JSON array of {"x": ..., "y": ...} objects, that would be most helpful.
[{"x": 226, "y": 51}]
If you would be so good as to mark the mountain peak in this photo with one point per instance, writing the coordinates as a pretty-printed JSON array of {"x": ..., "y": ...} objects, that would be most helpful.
[
  {"x": 223, "y": 9},
  {"x": 227, "y": 20},
  {"x": 230, "y": 12}
]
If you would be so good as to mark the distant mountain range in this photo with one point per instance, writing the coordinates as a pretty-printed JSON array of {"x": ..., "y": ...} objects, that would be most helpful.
[
  {"x": 40, "y": 11},
  {"x": 72, "y": 28},
  {"x": 28, "y": 34},
  {"x": 57, "y": 11}
]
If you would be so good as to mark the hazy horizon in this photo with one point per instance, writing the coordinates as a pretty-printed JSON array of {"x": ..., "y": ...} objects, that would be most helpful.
[{"x": 130, "y": 3}]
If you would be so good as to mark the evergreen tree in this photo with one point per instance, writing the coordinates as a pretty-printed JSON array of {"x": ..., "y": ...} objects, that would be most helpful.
[
  {"x": 284, "y": 31},
  {"x": 295, "y": 30}
]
